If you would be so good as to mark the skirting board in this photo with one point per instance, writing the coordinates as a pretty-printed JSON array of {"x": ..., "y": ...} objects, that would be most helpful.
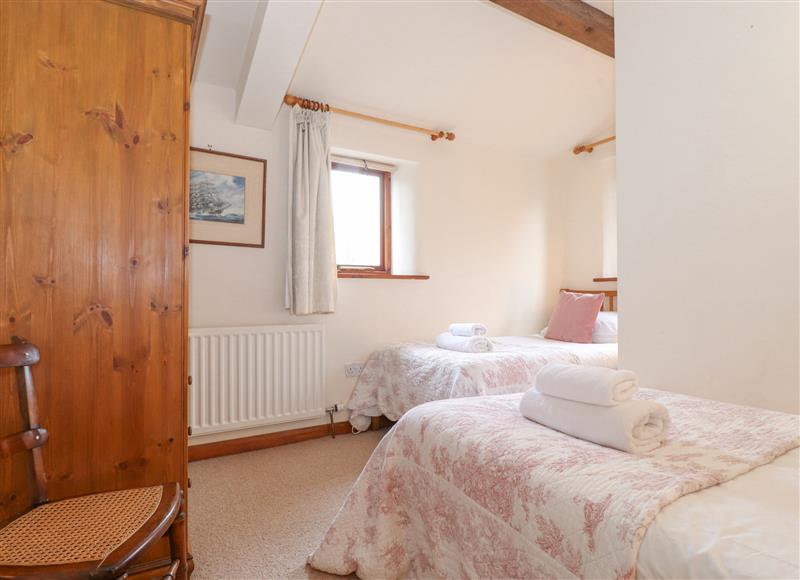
[{"x": 255, "y": 442}]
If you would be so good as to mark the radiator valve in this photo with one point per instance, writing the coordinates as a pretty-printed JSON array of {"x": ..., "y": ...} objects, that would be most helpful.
[{"x": 335, "y": 408}]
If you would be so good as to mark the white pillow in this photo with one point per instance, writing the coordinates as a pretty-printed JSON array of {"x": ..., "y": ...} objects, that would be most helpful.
[{"x": 605, "y": 328}]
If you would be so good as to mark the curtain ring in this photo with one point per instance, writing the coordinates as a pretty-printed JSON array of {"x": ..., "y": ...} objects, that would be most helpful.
[{"x": 366, "y": 167}]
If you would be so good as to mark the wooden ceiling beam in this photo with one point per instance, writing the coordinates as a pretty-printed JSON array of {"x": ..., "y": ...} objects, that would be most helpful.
[{"x": 572, "y": 18}]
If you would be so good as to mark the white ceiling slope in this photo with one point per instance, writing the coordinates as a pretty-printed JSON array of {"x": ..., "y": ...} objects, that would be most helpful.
[
  {"x": 277, "y": 39},
  {"x": 606, "y": 6},
  {"x": 469, "y": 66},
  {"x": 253, "y": 46},
  {"x": 226, "y": 31}
]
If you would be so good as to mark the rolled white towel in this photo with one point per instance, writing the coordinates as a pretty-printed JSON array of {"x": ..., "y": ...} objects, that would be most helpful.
[
  {"x": 468, "y": 329},
  {"x": 587, "y": 384},
  {"x": 634, "y": 426},
  {"x": 464, "y": 343}
]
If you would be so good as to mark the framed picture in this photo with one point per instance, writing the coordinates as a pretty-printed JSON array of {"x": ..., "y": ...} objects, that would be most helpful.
[{"x": 227, "y": 199}]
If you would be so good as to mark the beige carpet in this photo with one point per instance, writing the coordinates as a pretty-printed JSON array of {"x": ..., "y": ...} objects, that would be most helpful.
[{"x": 259, "y": 514}]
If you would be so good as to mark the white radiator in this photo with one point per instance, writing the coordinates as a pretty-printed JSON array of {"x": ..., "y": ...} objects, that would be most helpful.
[{"x": 255, "y": 376}]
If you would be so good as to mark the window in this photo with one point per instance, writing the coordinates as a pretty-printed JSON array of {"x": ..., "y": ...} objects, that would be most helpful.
[{"x": 362, "y": 218}]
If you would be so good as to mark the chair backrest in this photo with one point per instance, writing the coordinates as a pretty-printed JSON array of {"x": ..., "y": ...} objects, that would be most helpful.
[{"x": 21, "y": 356}]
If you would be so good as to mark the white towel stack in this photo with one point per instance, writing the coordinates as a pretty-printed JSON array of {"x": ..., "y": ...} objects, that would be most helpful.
[
  {"x": 465, "y": 337},
  {"x": 585, "y": 384},
  {"x": 595, "y": 404},
  {"x": 467, "y": 329}
]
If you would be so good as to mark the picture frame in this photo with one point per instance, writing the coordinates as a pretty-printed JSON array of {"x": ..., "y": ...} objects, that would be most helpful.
[{"x": 227, "y": 199}]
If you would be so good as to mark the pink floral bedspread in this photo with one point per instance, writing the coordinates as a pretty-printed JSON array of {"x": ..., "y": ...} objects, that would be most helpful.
[
  {"x": 469, "y": 488},
  {"x": 403, "y": 376}
]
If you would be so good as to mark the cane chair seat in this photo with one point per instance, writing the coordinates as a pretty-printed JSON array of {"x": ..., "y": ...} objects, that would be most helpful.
[{"x": 80, "y": 529}]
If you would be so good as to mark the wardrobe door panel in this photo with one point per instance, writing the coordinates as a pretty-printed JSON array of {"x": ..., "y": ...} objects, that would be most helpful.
[{"x": 93, "y": 123}]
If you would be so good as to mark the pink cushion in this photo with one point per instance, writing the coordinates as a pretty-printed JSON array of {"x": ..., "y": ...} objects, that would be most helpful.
[{"x": 574, "y": 317}]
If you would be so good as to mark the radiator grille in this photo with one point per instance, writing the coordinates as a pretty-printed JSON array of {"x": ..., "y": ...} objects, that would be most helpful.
[{"x": 254, "y": 376}]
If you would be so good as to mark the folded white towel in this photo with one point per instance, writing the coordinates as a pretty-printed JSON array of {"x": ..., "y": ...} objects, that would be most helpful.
[
  {"x": 464, "y": 343},
  {"x": 468, "y": 329},
  {"x": 633, "y": 426},
  {"x": 586, "y": 384}
]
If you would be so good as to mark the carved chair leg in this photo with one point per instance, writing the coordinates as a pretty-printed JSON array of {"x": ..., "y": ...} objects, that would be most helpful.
[{"x": 177, "y": 545}]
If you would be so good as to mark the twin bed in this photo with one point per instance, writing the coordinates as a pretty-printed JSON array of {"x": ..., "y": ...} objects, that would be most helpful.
[
  {"x": 468, "y": 488},
  {"x": 464, "y": 486},
  {"x": 400, "y": 377}
]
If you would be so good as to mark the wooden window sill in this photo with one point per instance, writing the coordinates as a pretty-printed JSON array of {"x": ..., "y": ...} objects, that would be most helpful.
[
  {"x": 382, "y": 276},
  {"x": 614, "y": 279}
]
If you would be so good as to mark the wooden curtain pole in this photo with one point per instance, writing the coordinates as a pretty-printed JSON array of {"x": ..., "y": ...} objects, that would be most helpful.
[
  {"x": 292, "y": 100},
  {"x": 590, "y": 147}
]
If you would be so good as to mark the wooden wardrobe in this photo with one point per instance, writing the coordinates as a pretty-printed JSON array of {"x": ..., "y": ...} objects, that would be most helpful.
[{"x": 94, "y": 150}]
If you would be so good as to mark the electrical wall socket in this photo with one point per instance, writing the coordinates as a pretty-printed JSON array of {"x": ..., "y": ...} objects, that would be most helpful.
[{"x": 352, "y": 370}]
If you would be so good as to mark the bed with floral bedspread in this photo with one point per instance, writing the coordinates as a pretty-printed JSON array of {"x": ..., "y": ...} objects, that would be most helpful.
[
  {"x": 399, "y": 377},
  {"x": 470, "y": 488}
]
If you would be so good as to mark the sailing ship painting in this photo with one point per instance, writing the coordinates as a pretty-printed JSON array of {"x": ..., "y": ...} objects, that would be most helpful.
[
  {"x": 216, "y": 197},
  {"x": 221, "y": 187}
]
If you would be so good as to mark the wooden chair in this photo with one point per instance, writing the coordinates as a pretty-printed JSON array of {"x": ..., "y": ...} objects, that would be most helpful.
[{"x": 91, "y": 536}]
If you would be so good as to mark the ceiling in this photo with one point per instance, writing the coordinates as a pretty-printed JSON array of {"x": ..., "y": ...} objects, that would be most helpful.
[
  {"x": 470, "y": 67},
  {"x": 606, "y": 6},
  {"x": 226, "y": 30}
]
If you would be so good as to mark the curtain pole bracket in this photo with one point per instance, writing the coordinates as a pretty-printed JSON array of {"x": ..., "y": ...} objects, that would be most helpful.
[{"x": 577, "y": 150}]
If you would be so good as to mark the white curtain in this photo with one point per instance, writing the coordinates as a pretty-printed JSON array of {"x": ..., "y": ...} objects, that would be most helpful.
[{"x": 311, "y": 264}]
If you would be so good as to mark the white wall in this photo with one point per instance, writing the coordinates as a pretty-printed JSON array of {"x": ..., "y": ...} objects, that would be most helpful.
[
  {"x": 585, "y": 186},
  {"x": 707, "y": 166},
  {"x": 480, "y": 229}
]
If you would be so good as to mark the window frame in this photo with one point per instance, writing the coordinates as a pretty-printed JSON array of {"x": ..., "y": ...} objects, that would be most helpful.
[{"x": 385, "y": 267}]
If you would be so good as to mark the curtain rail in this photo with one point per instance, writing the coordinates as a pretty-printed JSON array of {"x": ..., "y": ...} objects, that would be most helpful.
[{"x": 292, "y": 100}]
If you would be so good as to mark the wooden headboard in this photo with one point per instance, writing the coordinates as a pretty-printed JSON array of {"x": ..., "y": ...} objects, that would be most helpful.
[{"x": 610, "y": 303}]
